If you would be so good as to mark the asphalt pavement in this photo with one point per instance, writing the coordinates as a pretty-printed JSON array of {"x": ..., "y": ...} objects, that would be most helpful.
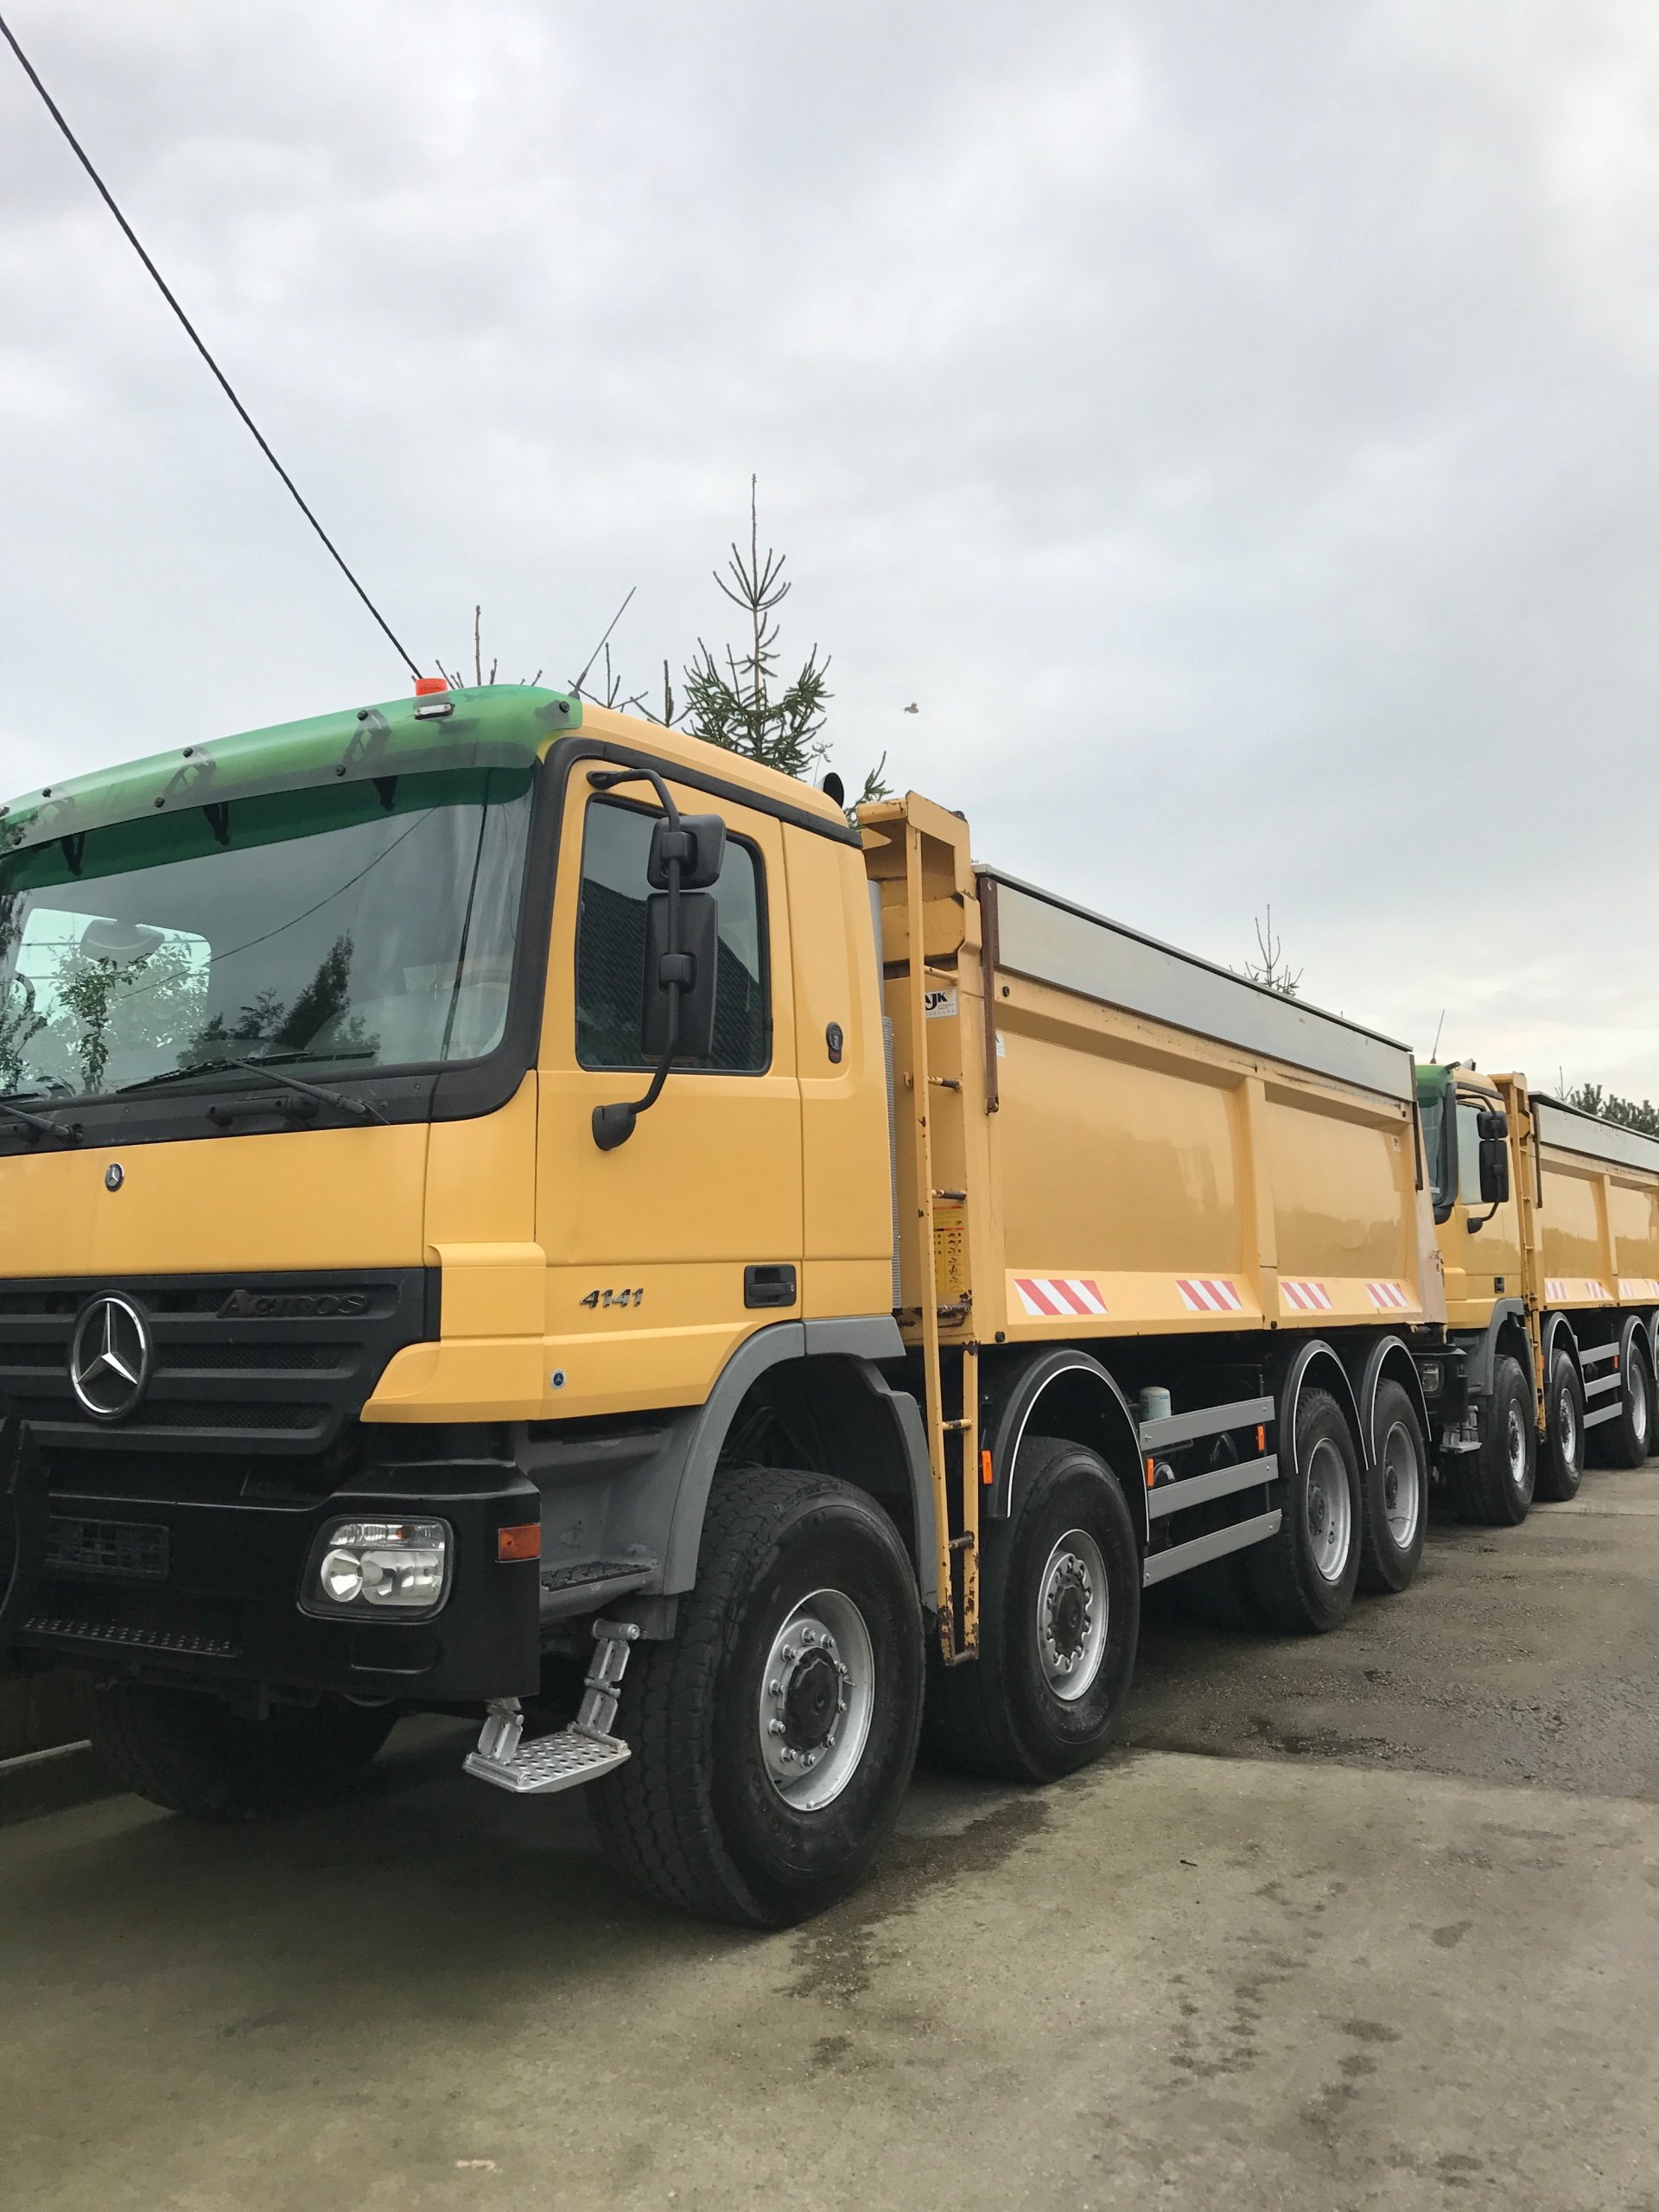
[{"x": 1366, "y": 1920}]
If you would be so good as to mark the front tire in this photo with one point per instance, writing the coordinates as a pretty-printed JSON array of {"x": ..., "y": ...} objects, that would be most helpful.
[
  {"x": 1395, "y": 1516},
  {"x": 1560, "y": 1460},
  {"x": 1059, "y": 1625},
  {"x": 1302, "y": 1580},
  {"x": 1495, "y": 1489},
  {"x": 772, "y": 1737},
  {"x": 191, "y": 1754}
]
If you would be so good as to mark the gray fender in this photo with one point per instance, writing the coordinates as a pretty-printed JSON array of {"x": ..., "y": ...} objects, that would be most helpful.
[
  {"x": 1094, "y": 1404},
  {"x": 1388, "y": 1360},
  {"x": 635, "y": 1498},
  {"x": 1482, "y": 1348},
  {"x": 1314, "y": 1364},
  {"x": 1633, "y": 1331},
  {"x": 863, "y": 1341},
  {"x": 1557, "y": 1330}
]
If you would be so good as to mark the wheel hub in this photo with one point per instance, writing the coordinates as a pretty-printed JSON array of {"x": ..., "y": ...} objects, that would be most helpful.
[
  {"x": 1071, "y": 1614},
  {"x": 1402, "y": 1485},
  {"x": 818, "y": 1695},
  {"x": 814, "y": 1699},
  {"x": 1329, "y": 1512},
  {"x": 1068, "y": 1612}
]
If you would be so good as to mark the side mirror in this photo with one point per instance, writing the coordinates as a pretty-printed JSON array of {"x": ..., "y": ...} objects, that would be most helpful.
[
  {"x": 693, "y": 964},
  {"x": 1494, "y": 1166},
  {"x": 1494, "y": 1124},
  {"x": 699, "y": 845}
]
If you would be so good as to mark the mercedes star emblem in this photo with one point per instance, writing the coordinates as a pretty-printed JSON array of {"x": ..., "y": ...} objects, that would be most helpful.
[{"x": 109, "y": 1358}]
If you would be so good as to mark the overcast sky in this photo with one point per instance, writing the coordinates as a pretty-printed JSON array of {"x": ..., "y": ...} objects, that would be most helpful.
[{"x": 1232, "y": 424}]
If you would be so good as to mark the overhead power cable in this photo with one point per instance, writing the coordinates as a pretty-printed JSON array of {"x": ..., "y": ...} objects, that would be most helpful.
[{"x": 196, "y": 338}]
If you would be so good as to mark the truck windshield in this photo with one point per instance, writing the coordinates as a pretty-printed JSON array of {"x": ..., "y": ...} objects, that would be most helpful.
[{"x": 367, "y": 923}]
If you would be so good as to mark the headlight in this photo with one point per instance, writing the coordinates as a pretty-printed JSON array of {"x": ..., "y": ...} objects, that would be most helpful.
[{"x": 378, "y": 1567}]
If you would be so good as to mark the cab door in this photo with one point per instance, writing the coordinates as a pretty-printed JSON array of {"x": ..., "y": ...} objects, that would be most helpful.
[
  {"x": 665, "y": 1253},
  {"x": 1484, "y": 1259}
]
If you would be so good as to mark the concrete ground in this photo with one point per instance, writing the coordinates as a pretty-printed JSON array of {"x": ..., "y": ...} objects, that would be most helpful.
[{"x": 1367, "y": 1921}]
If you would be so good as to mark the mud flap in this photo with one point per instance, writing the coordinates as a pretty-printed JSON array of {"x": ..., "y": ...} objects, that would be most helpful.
[{"x": 23, "y": 1517}]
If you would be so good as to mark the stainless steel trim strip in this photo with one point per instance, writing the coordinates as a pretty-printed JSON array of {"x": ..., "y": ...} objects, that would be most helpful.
[
  {"x": 1206, "y": 1421},
  {"x": 1162, "y": 1565},
  {"x": 1221, "y": 1482}
]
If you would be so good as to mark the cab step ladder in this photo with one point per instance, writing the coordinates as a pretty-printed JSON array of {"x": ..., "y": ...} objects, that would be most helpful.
[
  {"x": 570, "y": 1756},
  {"x": 955, "y": 1440}
]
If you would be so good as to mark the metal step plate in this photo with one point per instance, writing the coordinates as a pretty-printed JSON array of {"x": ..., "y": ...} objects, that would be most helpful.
[{"x": 563, "y": 1761}]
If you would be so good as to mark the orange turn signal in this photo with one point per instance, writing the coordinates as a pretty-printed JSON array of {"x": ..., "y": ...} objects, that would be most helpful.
[
  {"x": 1150, "y": 1476},
  {"x": 522, "y": 1543},
  {"x": 985, "y": 1474},
  {"x": 1261, "y": 1437}
]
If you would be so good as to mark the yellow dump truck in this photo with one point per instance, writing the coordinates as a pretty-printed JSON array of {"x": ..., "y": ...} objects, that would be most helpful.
[
  {"x": 506, "y": 1209},
  {"x": 1548, "y": 1226}
]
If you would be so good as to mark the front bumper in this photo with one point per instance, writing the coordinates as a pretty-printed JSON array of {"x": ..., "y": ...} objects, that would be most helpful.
[{"x": 207, "y": 1591}]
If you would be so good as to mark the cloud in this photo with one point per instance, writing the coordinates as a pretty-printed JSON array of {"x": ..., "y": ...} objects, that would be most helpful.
[{"x": 1233, "y": 427}]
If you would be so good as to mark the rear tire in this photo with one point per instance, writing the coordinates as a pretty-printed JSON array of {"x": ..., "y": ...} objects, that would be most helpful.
[
  {"x": 1302, "y": 1580},
  {"x": 1397, "y": 1494},
  {"x": 805, "y": 1613},
  {"x": 1059, "y": 1627},
  {"x": 1560, "y": 1456},
  {"x": 1493, "y": 1486},
  {"x": 1627, "y": 1441},
  {"x": 191, "y": 1754}
]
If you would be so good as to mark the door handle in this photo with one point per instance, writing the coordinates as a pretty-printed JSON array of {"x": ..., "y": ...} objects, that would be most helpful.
[{"x": 769, "y": 1286}]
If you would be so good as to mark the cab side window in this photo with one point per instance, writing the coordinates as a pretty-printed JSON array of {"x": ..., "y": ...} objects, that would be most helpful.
[
  {"x": 611, "y": 949},
  {"x": 1469, "y": 1154}
]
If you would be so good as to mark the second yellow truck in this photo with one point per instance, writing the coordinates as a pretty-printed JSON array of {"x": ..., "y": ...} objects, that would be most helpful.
[{"x": 1548, "y": 1226}]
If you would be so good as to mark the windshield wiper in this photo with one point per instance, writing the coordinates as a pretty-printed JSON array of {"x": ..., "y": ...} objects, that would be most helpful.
[
  {"x": 65, "y": 1133},
  {"x": 359, "y": 1109}
]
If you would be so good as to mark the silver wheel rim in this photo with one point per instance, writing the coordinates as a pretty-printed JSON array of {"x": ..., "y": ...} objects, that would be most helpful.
[
  {"x": 1514, "y": 1436},
  {"x": 817, "y": 1697},
  {"x": 1073, "y": 1608},
  {"x": 1638, "y": 1382},
  {"x": 1402, "y": 1484},
  {"x": 1330, "y": 1510},
  {"x": 1566, "y": 1426}
]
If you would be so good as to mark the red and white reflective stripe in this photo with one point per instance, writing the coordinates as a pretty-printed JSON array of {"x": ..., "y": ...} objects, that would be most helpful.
[
  {"x": 1207, "y": 1294},
  {"x": 1050, "y": 1297},
  {"x": 1306, "y": 1297},
  {"x": 1635, "y": 1287},
  {"x": 1554, "y": 1289},
  {"x": 1389, "y": 1297}
]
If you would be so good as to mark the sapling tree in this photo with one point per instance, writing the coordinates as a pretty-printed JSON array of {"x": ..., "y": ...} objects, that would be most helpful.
[
  {"x": 737, "y": 699},
  {"x": 1269, "y": 967}
]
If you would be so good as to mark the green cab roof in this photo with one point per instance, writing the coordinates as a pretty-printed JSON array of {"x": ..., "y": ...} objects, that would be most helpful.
[
  {"x": 499, "y": 724},
  {"x": 1431, "y": 1081}
]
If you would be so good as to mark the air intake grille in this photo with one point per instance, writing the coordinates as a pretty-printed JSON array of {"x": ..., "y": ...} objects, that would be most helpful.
[{"x": 273, "y": 1364}]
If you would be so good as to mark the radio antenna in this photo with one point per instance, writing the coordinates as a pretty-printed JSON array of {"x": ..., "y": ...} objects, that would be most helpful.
[
  {"x": 196, "y": 338},
  {"x": 604, "y": 641}
]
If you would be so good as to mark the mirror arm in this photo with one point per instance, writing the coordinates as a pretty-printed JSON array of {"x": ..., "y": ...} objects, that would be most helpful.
[{"x": 614, "y": 1125}]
